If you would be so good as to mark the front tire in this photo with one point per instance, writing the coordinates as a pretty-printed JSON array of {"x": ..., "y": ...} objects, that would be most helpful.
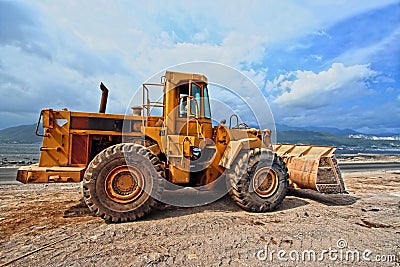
[
  {"x": 121, "y": 183},
  {"x": 258, "y": 181}
]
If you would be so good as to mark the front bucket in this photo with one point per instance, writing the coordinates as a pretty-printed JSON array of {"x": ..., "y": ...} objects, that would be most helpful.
[{"x": 312, "y": 167}]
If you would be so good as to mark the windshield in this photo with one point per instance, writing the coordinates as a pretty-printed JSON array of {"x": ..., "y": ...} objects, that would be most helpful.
[
  {"x": 196, "y": 93},
  {"x": 199, "y": 101},
  {"x": 207, "y": 110}
]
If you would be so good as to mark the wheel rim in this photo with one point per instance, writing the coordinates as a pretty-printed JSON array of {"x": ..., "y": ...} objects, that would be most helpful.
[
  {"x": 265, "y": 182},
  {"x": 124, "y": 184}
]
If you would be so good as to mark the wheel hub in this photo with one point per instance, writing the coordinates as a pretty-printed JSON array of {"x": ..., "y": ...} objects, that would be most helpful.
[
  {"x": 124, "y": 184},
  {"x": 265, "y": 182}
]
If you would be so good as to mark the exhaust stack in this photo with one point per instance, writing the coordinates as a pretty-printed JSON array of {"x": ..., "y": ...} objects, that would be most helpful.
[{"x": 104, "y": 97}]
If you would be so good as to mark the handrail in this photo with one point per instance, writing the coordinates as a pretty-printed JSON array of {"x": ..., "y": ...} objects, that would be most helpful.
[
  {"x": 230, "y": 120},
  {"x": 155, "y": 104},
  {"x": 200, "y": 131},
  {"x": 37, "y": 126},
  {"x": 186, "y": 139},
  {"x": 146, "y": 103}
]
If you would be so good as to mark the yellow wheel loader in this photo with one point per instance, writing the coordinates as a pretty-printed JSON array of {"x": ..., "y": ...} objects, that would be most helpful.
[{"x": 129, "y": 163}]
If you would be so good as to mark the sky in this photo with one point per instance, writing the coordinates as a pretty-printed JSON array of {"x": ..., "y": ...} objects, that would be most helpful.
[{"x": 331, "y": 63}]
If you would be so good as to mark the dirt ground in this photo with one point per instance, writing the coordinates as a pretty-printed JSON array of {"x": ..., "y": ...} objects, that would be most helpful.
[{"x": 49, "y": 225}]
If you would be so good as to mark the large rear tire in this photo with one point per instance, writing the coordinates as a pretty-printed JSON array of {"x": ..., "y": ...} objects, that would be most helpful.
[
  {"x": 121, "y": 183},
  {"x": 258, "y": 181}
]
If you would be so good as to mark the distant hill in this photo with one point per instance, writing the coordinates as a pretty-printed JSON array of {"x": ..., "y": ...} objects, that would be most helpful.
[
  {"x": 331, "y": 130},
  {"x": 318, "y": 138},
  {"x": 23, "y": 134},
  {"x": 307, "y": 137}
]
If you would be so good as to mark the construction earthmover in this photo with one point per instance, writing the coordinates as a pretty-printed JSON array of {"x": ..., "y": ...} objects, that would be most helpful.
[{"x": 128, "y": 162}]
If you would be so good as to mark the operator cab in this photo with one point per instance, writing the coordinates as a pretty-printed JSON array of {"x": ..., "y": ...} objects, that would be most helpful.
[{"x": 187, "y": 105}]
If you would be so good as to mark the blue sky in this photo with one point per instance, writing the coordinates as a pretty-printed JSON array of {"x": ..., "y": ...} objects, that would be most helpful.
[{"x": 318, "y": 63}]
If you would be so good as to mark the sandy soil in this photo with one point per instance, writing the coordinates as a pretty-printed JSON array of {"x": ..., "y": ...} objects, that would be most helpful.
[{"x": 49, "y": 225}]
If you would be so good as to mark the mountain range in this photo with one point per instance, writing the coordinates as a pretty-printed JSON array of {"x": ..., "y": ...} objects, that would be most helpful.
[
  {"x": 345, "y": 139},
  {"x": 331, "y": 130}
]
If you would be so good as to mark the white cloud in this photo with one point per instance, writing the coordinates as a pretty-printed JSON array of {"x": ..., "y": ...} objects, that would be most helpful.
[
  {"x": 309, "y": 90},
  {"x": 151, "y": 37}
]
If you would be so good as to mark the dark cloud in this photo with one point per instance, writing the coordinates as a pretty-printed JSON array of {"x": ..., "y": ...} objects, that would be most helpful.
[
  {"x": 42, "y": 65},
  {"x": 20, "y": 27},
  {"x": 15, "y": 22},
  {"x": 367, "y": 119}
]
